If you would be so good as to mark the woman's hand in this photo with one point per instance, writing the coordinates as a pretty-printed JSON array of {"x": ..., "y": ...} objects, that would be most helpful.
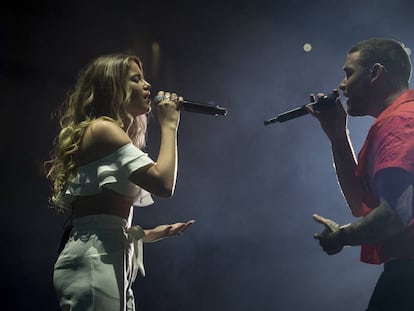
[
  {"x": 168, "y": 109},
  {"x": 164, "y": 231}
]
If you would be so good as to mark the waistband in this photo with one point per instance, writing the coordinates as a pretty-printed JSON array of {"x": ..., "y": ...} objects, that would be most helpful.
[
  {"x": 103, "y": 221},
  {"x": 133, "y": 235}
]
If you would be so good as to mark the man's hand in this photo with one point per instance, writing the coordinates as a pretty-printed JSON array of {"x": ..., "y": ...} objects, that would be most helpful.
[
  {"x": 333, "y": 120},
  {"x": 329, "y": 238}
]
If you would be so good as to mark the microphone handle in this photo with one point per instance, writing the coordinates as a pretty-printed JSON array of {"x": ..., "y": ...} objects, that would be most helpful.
[
  {"x": 190, "y": 106},
  {"x": 291, "y": 114},
  {"x": 326, "y": 102}
]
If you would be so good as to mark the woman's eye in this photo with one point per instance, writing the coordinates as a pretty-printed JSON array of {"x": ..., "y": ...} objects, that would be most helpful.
[{"x": 136, "y": 79}]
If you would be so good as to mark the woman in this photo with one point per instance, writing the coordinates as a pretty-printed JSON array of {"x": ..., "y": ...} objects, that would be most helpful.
[{"x": 99, "y": 172}]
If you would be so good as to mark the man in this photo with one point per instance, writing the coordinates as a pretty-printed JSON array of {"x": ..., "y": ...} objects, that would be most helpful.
[{"x": 378, "y": 184}]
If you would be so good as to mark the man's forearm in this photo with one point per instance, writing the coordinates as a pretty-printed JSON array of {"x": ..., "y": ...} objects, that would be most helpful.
[
  {"x": 380, "y": 224},
  {"x": 345, "y": 166}
]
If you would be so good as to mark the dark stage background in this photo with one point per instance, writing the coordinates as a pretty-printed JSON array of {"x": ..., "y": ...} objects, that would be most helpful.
[{"x": 251, "y": 188}]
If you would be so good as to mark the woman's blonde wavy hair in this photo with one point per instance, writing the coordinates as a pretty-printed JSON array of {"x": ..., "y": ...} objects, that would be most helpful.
[{"x": 101, "y": 91}]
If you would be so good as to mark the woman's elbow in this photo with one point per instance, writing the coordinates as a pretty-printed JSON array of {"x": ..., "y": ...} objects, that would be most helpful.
[{"x": 165, "y": 191}]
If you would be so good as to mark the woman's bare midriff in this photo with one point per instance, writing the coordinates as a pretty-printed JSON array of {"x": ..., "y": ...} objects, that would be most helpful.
[{"x": 105, "y": 202}]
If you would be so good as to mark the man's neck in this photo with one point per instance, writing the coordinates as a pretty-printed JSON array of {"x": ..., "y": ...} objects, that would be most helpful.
[{"x": 383, "y": 101}]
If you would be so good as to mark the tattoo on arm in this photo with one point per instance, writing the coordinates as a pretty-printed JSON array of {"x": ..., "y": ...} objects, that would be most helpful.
[{"x": 381, "y": 224}]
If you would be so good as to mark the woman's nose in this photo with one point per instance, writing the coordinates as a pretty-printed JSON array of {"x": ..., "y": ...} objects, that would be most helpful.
[{"x": 342, "y": 85}]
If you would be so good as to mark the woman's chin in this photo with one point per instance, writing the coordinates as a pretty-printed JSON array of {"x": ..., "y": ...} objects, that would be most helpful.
[{"x": 141, "y": 111}]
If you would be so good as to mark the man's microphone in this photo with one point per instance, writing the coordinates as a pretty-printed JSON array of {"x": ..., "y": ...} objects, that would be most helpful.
[
  {"x": 192, "y": 106},
  {"x": 325, "y": 102}
]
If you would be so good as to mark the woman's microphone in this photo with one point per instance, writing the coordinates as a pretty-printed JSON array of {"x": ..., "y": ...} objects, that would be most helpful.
[{"x": 192, "y": 106}]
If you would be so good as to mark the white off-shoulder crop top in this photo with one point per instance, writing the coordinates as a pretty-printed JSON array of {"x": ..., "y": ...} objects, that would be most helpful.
[{"x": 111, "y": 172}]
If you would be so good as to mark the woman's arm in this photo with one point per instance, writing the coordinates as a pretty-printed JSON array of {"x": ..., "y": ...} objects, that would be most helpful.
[{"x": 164, "y": 231}]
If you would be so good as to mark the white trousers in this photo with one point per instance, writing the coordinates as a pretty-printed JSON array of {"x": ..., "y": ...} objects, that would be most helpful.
[{"x": 96, "y": 268}]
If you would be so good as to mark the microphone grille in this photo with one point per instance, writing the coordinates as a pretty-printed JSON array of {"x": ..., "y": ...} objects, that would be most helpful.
[{"x": 158, "y": 99}]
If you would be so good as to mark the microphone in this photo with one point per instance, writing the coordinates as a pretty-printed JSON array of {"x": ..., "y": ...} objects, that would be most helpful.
[
  {"x": 325, "y": 102},
  {"x": 192, "y": 106}
]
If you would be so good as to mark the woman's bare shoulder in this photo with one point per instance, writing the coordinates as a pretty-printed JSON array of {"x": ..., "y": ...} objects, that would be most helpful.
[{"x": 102, "y": 137}]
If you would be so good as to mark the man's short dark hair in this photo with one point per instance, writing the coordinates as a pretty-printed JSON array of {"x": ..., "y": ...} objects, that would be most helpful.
[{"x": 388, "y": 52}]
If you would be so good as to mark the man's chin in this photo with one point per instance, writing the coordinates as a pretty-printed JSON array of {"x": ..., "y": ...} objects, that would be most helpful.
[
  {"x": 355, "y": 110},
  {"x": 349, "y": 110},
  {"x": 352, "y": 113}
]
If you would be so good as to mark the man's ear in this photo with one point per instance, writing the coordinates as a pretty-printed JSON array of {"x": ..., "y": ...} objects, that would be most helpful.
[{"x": 376, "y": 71}]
